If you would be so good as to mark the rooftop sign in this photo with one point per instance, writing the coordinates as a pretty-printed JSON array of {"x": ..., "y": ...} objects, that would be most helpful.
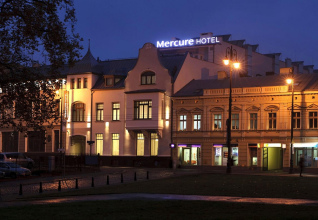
[{"x": 188, "y": 42}]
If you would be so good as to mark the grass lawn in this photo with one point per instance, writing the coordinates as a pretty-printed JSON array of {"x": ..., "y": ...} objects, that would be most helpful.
[{"x": 203, "y": 184}]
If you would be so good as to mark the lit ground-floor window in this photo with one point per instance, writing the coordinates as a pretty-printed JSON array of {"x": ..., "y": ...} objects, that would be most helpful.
[
  {"x": 140, "y": 144},
  {"x": 99, "y": 144},
  {"x": 154, "y": 144},
  {"x": 115, "y": 144}
]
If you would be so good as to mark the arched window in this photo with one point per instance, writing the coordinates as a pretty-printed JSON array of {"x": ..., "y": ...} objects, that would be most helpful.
[
  {"x": 78, "y": 110},
  {"x": 148, "y": 78}
]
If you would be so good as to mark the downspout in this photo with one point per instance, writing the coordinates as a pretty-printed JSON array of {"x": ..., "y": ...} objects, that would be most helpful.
[{"x": 91, "y": 142}]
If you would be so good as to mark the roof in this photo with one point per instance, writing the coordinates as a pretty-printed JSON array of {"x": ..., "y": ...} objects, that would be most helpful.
[
  {"x": 87, "y": 64},
  {"x": 173, "y": 63},
  {"x": 303, "y": 82}
]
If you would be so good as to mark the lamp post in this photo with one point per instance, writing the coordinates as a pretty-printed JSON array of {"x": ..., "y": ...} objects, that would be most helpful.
[
  {"x": 291, "y": 167},
  {"x": 231, "y": 60},
  {"x": 61, "y": 129}
]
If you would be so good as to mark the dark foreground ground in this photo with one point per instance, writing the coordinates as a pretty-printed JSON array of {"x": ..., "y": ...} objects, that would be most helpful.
[{"x": 209, "y": 184}]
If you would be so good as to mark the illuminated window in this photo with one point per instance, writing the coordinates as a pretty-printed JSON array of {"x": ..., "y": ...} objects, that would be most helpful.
[
  {"x": 143, "y": 109},
  {"x": 272, "y": 120},
  {"x": 78, "y": 110},
  {"x": 183, "y": 122},
  {"x": 79, "y": 83},
  {"x": 217, "y": 121},
  {"x": 296, "y": 119},
  {"x": 140, "y": 144},
  {"x": 197, "y": 122},
  {"x": 154, "y": 144},
  {"x": 85, "y": 83},
  {"x": 99, "y": 112},
  {"x": 148, "y": 78},
  {"x": 313, "y": 120},
  {"x": 115, "y": 144},
  {"x": 253, "y": 121},
  {"x": 72, "y": 83},
  {"x": 99, "y": 144},
  {"x": 116, "y": 111},
  {"x": 235, "y": 121}
]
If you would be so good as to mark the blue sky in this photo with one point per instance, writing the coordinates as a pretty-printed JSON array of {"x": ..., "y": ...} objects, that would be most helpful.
[{"x": 118, "y": 28}]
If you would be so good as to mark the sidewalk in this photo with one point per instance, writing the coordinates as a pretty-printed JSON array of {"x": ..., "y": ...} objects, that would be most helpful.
[{"x": 144, "y": 196}]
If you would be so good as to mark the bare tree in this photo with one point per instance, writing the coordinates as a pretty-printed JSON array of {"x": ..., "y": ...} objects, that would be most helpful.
[{"x": 30, "y": 29}]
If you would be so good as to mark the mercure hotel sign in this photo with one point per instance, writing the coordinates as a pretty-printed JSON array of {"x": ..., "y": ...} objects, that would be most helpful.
[{"x": 187, "y": 42}]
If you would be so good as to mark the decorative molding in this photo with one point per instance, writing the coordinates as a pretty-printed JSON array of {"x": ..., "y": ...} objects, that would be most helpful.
[
  {"x": 272, "y": 108},
  {"x": 253, "y": 108}
]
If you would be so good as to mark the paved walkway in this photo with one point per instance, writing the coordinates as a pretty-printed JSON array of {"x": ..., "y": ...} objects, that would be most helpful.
[
  {"x": 144, "y": 196},
  {"x": 154, "y": 174}
]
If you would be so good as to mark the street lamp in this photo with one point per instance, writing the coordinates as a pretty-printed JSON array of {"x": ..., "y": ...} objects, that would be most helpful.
[
  {"x": 231, "y": 60},
  {"x": 61, "y": 128},
  {"x": 291, "y": 82}
]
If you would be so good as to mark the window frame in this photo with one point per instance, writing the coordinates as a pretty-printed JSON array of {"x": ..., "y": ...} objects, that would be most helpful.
[
  {"x": 235, "y": 121},
  {"x": 217, "y": 121},
  {"x": 85, "y": 83},
  {"x": 99, "y": 143},
  {"x": 314, "y": 119},
  {"x": 115, "y": 111},
  {"x": 154, "y": 144},
  {"x": 138, "y": 111},
  {"x": 99, "y": 111},
  {"x": 115, "y": 143},
  {"x": 296, "y": 120},
  {"x": 79, "y": 116},
  {"x": 183, "y": 122},
  {"x": 79, "y": 83},
  {"x": 272, "y": 121},
  {"x": 197, "y": 122},
  {"x": 148, "y": 78},
  {"x": 72, "y": 85},
  {"x": 253, "y": 121},
  {"x": 140, "y": 144}
]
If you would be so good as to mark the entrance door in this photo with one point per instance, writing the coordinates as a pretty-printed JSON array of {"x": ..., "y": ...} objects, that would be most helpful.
[
  {"x": 265, "y": 158},
  {"x": 186, "y": 160},
  {"x": 77, "y": 145}
]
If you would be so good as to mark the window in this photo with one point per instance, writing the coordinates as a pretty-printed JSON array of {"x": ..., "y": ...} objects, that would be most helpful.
[
  {"x": 72, "y": 83},
  {"x": 79, "y": 83},
  {"x": 217, "y": 121},
  {"x": 143, "y": 109},
  {"x": 296, "y": 119},
  {"x": 148, "y": 78},
  {"x": 313, "y": 119},
  {"x": 115, "y": 144},
  {"x": 109, "y": 81},
  {"x": 99, "y": 112},
  {"x": 140, "y": 144},
  {"x": 78, "y": 112},
  {"x": 154, "y": 144},
  {"x": 235, "y": 121},
  {"x": 85, "y": 83},
  {"x": 99, "y": 144},
  {"x": 116, "y": 111},
  {"x": 271, "y": 120},
  {"x": 183, "y": 123},
  {"x": 253, "y": 121},
  {"x": 197, "y": 122}
]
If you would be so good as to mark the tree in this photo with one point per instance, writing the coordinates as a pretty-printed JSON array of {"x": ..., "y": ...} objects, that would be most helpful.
[{"x": 30, "y": 29}]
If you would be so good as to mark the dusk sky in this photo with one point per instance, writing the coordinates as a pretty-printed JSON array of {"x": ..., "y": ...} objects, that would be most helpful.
[{"x": 117, "y": 29}]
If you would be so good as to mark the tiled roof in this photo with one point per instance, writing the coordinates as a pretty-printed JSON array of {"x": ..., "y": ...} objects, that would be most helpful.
[
  {"x": 173, "y": 64},
  {"x": 302, "y": 82},
  {"x": 87, "y": 64}
]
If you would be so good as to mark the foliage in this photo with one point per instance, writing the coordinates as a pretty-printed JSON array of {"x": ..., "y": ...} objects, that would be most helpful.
[{"x": 31, "y": 29}]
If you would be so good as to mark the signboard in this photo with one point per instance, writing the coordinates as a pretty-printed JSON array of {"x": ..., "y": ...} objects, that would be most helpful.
[{"x": 188, "y": 42}]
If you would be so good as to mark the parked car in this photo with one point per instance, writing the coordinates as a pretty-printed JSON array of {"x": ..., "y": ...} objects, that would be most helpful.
[
  {"x": 18, "y": 158},
  {"x": 13, "y": 170}
]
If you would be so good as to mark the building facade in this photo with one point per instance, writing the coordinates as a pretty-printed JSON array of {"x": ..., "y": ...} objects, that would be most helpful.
[{"x": 176, "y": 92}]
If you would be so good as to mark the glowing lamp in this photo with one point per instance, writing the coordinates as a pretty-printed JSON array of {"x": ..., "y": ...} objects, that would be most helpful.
[
  {"x": 289, "y": 81},
  {"x": 226, "y": 61},
  {"x": 236, "y": 65}
]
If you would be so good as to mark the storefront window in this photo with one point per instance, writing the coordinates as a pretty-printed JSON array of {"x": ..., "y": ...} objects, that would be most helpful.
[
  {"x": 189, "y": 154},
  {"x": 221, "y": 155}
]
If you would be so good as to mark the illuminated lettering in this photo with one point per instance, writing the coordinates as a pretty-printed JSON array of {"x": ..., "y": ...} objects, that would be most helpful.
[
  {"x": 187, "y": 42},
  {"x": 160, "y": 44}
]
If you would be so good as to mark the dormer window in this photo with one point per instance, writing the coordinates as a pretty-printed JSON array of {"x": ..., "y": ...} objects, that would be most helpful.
[
  {"x": 148, "y": 78},
  {"x": 109, "y": 81}
]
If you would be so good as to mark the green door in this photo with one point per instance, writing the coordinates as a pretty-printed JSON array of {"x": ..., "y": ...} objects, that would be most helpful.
[{"x": 265, "y": 159}]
